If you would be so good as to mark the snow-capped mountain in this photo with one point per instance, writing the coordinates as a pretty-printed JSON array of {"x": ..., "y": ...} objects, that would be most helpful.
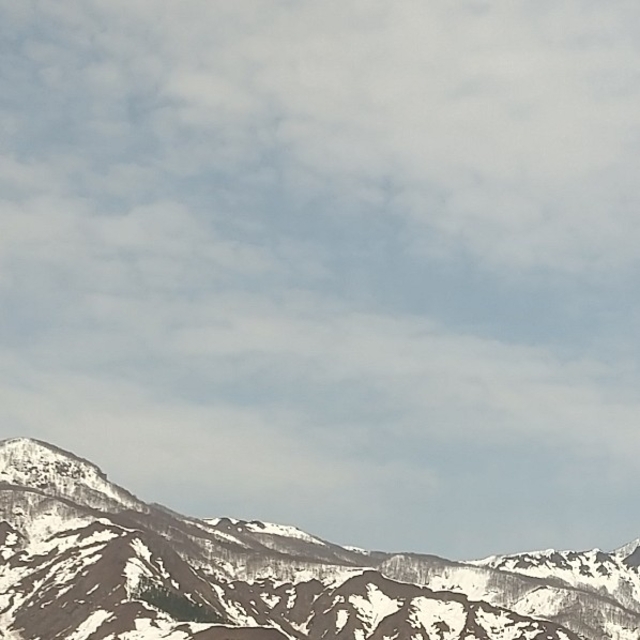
[
  {"x": 84, "y": 559},
  {"x": 37, "y": 465}
]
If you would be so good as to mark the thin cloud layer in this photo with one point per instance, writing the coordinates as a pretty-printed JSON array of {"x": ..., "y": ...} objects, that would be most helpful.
[{"x": 509, "y": 131}]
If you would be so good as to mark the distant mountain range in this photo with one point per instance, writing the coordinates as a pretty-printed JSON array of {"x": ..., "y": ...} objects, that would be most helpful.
[{"x": 84, "y": 559}]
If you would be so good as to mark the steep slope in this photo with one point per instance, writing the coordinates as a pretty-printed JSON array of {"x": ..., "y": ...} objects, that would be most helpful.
[
  {"x": 370, "y": 606},
  {"x": 593, "y": 615},
  {"x": 40, "y": 466},
  {"x": 595, "y": 570}
]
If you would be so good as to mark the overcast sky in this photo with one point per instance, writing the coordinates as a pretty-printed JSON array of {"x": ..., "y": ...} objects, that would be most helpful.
[{"x": 366, "y": 267}]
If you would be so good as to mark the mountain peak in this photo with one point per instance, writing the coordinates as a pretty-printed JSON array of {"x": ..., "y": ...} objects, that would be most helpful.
[
  {"x": 627, "y": 549},
  {"x": 30, "y": 448},
  {"x": 38, "y": 465}
]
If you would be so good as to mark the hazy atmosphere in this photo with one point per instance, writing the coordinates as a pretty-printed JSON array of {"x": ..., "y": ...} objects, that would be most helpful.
[{"x": 369, "y": 268}]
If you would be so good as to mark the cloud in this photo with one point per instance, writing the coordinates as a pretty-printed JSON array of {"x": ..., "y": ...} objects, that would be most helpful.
[
  {"x": 157, "y": 283},
  {"x": 507, "y": 132},
  {"x": 499, "y": 131}
]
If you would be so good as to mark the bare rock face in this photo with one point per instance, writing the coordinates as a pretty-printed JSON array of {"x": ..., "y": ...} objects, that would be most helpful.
[{"x": 84, "y": 559}]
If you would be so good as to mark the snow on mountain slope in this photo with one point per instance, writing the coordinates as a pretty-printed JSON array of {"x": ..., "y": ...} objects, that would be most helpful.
[
  {"x": 269, "y": 528},
  {"x": 593, "y": 570},
  {"x": 83, "y": 559},
  {"x": 370, "y": 606},
  {"x": 90, "y": 579},
  {"x": 590, "y": 613},
  {"x": 284, "y": 531},
  {"x": 271, "y": 542},
  {"x": 629, "y": 553},
  {"x": 38, "y": 465}
]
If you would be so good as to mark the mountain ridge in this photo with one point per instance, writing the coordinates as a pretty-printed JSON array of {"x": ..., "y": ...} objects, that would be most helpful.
[
  {"x": 36, "y": 464},
  {"x": 84, "y": 559}
]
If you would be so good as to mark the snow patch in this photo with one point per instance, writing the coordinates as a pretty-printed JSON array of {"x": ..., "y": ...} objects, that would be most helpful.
[
  {"x": 90, "y": 625},
  {"x": 374, "y": 607},
  {"x": 342, "y": 617},
  {"x": 440, "y": 618}
]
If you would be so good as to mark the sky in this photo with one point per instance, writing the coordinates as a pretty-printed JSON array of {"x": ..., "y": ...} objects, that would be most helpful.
[{"x": 368, "y": 268}]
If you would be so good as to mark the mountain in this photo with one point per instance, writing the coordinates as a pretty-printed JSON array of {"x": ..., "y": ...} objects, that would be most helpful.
[{"x": 84, "y": 559}]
